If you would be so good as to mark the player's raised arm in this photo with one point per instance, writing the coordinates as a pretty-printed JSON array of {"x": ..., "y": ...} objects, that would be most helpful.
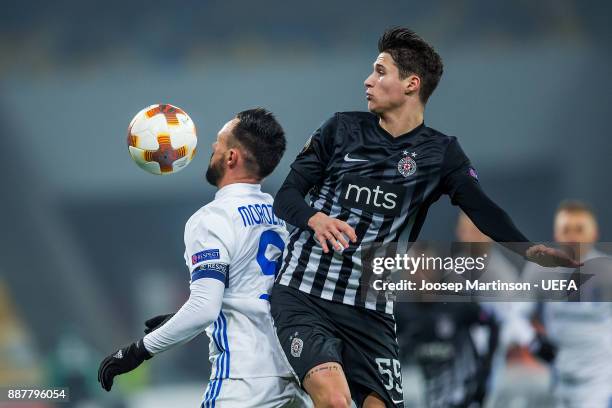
[
  {"x": 308, "y": 171},
  {"x": 460, "y": 182}
]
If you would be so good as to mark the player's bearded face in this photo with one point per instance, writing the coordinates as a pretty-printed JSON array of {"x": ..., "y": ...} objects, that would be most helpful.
[
  {"x": 215, "y": 170},
  {"x": 384, "y": 88},
  {"x": 216, "y": 166}
]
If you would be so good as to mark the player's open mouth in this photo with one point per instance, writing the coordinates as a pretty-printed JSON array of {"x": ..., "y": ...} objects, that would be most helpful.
[{"x": 368, "y": 96}]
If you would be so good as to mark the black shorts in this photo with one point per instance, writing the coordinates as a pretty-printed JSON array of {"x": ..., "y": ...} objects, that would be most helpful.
[{"x": 314, "y": 331}]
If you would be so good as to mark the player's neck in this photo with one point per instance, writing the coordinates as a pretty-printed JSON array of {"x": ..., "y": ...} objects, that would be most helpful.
[
  {"x": 231, "y": 179},
  {"x": 401, "y": 121}
]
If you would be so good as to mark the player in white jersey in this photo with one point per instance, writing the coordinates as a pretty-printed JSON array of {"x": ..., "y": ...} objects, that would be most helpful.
[
  {"x": 580, "y": 333},
  {"x": 233, "y": 247}
]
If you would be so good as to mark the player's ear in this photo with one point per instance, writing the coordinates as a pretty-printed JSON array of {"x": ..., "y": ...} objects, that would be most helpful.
[
  {"x": 412, "y": 84},
  {"x": 232, "y": 157}
]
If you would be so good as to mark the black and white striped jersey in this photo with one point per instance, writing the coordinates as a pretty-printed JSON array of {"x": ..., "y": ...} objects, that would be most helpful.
[{"x": 380, "y": 185}]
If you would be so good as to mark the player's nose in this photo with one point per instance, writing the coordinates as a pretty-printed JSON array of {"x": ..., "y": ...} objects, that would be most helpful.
[{"x": 368, "y": 82}]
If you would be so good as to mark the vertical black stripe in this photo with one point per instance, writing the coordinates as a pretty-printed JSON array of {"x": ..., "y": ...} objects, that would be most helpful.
[
  {"x": 325, "y": 261},
  {"x": 294, "y": 238},
  {"x": 290, "y": 248},
  {"x": 381, "y": 301},
  {"x": 346, "y": 270},
  {"x": 415, "y": 201},
  {"x": 383, "y": 231},
  {"x": 297, "y": 275}
]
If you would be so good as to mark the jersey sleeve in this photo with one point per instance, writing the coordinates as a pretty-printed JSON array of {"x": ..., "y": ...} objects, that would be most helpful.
[
  {"x": 289, "y": 204},
  {"x": 460, "y": 181},
  {"x": 200, "y": 311},
  {"x": 456, "y": 170},
  {"x": 208, "y": 240},
  {"x": 314, "y": 157}
]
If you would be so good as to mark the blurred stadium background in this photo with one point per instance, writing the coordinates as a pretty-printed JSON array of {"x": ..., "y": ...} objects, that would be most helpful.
[{"x": 91, "y": 245}]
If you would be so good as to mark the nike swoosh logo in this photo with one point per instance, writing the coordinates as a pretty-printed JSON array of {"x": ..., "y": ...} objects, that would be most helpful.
[
  {"x": 397, "y": 402},
  {"x": 348, "y": 159}
]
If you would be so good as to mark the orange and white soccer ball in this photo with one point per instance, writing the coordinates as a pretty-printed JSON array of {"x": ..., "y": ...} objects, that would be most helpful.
[{"x": 162, "y": 139}]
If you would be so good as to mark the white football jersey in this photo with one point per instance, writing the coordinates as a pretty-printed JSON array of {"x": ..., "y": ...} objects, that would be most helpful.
[
  {"x": 581, "y": 330},
  {"x": 237, "y": 239}
]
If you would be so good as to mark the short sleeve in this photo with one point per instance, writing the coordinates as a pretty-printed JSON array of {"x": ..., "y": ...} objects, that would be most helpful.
[
  {"x": 456, "y": 169},
  {"x": 316, "y": 153},
  {"x": 207, "y": 243}
]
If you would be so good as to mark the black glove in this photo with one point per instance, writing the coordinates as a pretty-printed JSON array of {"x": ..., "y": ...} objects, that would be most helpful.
[
  {"x": 122, "y": 361},
  {"x": 157, "y": 321},
  {"x": 543, "y": 348}
]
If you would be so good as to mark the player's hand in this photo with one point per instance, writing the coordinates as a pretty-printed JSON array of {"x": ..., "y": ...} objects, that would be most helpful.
[
  {"x": 327, "y": 229},
  {"x": 122, "y": 361},
  {"x": 543, "y": 348},
  {"x": 550, "y": 257},
  {"x": 157, "y": 321}
]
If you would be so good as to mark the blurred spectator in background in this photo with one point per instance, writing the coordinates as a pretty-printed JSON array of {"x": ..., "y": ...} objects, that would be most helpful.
[
  {"x": 579, "y": 333},
  {"x": 439, "y": 338}
]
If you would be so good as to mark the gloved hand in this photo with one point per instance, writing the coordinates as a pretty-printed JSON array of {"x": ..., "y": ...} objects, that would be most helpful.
[
  {"x": 543, "y": 348},
  {"x": 157, "y": 321},
  {"x": 122, "y": 361}
]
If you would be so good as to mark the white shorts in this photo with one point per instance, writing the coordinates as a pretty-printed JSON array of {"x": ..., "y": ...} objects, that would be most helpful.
[{"x": 263, "y": 392}]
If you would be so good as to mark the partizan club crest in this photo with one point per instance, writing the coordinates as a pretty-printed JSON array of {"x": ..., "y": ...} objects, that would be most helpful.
[
  {"x": 296, "y": 345},
  {"x": 407, "y": 166}
]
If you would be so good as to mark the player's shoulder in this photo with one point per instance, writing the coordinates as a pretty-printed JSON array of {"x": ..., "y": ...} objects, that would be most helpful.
[
  {"x": 266, "y": 197},
  {"x": 356, "y": 118},
  {"x": 360, "y": 118},
  {"x": 439, "y": 136},
  {"x": 345, "y": 120},
  {"x": 223, "y": 211},
  {"x": 214, "y": 214}
]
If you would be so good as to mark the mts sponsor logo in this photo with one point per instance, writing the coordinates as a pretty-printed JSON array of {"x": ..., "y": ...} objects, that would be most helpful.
[{"x": 371, "y": 195}]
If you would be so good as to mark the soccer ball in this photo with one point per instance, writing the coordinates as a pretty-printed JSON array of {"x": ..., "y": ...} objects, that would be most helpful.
[{"x": 162, "y": 139}]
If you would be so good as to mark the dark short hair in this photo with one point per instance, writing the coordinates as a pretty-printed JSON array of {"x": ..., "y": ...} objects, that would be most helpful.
[
  {"x": 413, "y": 55},
  {"x": 263, "y": 138},
  {"x": 575, "y": 206}
]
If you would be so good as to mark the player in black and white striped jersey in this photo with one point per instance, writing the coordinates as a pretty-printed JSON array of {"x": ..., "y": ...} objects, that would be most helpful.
[{"x": 372, "y": 177}]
